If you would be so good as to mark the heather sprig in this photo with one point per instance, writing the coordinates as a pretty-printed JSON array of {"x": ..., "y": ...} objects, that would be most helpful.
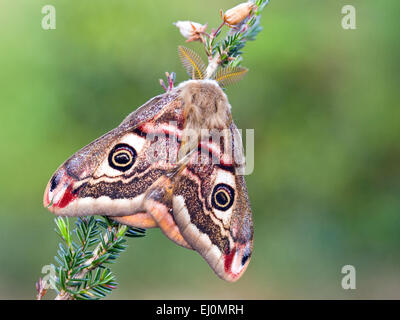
[
  {"x": 81, "y": 270},
  {"x": 243, "y": 22}
]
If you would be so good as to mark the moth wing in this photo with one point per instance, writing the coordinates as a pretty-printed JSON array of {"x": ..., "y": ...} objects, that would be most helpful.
[
  {"x": 158, "y": 204},
  {"x": 210, "y": 208},
  {"x": 138, "y": 220},
  {"x": 87, "y": 184}
]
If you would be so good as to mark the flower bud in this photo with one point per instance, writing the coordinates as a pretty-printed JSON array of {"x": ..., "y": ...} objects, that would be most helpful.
[
  {"x": 190, "y": 30},
  {"x": 239, "y": 13}
]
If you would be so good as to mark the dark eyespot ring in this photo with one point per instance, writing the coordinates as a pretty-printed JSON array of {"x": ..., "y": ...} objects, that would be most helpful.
[
  {"x": 122, "y": 157},
  {"x": 222, "y": 196}
]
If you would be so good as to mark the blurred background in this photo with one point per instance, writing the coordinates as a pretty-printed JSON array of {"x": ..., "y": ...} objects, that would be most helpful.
[{"x": 324, "y": 103}]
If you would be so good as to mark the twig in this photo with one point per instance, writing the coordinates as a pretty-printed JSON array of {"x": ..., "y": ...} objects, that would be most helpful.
[
  {"x": 82, "y": 273},
  {"x": 244, "y": 23}
]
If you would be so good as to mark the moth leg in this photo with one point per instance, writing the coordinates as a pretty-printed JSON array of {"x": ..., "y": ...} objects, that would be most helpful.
[
  {"x": 138, "y": 220},
  {"x": 158, "y": 203}
]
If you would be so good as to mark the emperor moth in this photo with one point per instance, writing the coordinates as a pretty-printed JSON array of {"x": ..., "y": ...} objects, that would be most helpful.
[{"x": 159, "y": 168}]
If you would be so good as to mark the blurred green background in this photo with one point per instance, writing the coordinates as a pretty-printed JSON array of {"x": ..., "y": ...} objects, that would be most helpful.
[{"x": 324, "y": 103}]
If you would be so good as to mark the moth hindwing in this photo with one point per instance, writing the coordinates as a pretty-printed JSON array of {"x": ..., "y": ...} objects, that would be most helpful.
[{"x": 173, "y": 164}]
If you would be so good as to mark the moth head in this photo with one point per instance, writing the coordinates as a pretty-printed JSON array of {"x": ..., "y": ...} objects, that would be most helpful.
[{"x": 196, "y": 69}]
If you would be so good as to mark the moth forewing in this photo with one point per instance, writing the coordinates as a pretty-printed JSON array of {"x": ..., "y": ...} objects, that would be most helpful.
[{"x": 89, "y": 183}]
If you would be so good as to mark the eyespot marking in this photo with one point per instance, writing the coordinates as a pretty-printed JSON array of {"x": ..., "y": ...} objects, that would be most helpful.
[
  {"x": 222, "y": 196},
  {"x": 122, "y": 157}
]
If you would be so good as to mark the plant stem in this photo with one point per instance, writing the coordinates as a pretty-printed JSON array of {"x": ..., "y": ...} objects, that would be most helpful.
[{"x": 212, "y": 67}]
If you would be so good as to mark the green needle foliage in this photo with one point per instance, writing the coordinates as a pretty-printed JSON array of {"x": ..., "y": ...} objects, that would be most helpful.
[
  {"x": 225, "y": 53},
  {"x": 236, "y": 39},
  {"x": 81, "y": 271}
]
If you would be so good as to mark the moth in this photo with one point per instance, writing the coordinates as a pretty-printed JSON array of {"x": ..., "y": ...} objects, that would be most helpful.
[{"x": 175, "y": 163}]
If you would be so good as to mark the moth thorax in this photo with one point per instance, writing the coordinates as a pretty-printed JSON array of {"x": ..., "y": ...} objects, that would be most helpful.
[
  {"x": 206, "y": 109},
  {"x": 206, "y": 105}
]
